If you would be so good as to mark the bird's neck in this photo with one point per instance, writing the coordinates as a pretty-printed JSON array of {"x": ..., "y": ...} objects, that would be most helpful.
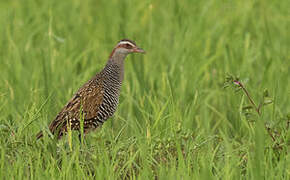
[
  {"x": 115, "y": 66},
  {"x": 117, "y": 58}
]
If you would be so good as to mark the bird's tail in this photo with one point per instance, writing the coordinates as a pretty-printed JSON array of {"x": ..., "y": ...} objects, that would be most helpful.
[
  {"x": 56, "y": 128},
  {"x": 39, "y": 135}
]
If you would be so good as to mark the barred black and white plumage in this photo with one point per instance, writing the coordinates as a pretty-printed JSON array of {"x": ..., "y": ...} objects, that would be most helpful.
[{"x": 96, "y": 100}]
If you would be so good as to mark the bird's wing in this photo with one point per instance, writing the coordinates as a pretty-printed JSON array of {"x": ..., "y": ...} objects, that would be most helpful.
[{"x": 87, "y": 100}]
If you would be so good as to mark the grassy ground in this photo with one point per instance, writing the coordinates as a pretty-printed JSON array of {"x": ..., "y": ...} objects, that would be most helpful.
[{"x": 175, "y": 120}]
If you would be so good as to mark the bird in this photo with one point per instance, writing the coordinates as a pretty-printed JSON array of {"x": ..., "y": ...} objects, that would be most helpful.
[{"x": 98, "y": 98}]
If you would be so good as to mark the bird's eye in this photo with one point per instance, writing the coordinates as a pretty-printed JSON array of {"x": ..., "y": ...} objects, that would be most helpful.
[{"x": 128, "y": 46}]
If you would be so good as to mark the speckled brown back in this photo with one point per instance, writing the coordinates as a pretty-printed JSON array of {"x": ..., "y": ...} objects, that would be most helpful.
[{"x": 87, "y": 100}]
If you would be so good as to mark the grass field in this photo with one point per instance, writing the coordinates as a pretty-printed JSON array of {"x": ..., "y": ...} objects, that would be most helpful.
[{"x": 175, "y": 120}]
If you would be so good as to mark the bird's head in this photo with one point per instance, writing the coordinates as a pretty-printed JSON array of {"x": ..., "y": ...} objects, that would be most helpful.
[{"x": 126, "y": 46}]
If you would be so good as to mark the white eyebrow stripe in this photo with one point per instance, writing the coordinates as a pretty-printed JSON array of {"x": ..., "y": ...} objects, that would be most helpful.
[{"x": 126, "y": 42}]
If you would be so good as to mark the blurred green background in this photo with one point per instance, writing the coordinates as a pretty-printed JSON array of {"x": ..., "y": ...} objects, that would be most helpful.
[{"x": 174, "y": 120}]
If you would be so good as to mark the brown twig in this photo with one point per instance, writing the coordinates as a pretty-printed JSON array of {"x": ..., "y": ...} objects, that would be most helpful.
[
  {"x": 248, "y": 95},
  {"x": 256, "y": 107}
]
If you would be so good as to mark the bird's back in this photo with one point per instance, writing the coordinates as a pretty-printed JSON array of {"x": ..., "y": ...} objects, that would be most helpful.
[{"x": 94, "y": 103}]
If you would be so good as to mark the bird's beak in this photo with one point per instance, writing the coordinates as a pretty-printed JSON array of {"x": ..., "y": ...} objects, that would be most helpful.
[{"x": 139, "y": 50}]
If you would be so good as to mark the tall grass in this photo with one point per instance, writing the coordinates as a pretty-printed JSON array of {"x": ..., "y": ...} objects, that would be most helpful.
[{"x": 174, "y": 120}]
